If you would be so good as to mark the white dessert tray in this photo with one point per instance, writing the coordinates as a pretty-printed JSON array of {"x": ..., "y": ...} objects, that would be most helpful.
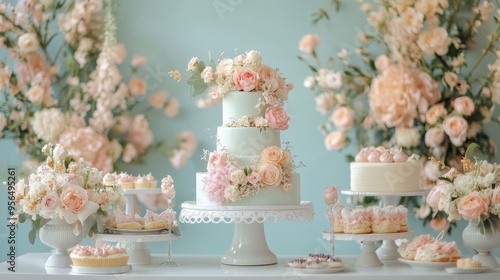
[
  {"x": 428, "y": 265},
  {"x": 368, "y": 257},
  {"x": 100, "y": 270},
  {"x": 137, "y": 231},
  {"x": 456, "y": 270},
  {"x": 323, "y": 270},
  {"x": 142, "y": 191}
]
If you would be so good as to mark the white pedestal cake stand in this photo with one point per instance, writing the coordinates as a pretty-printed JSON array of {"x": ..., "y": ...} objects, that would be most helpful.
[
  {"x": 368, "y": 257},
  {"x": 388, "y": 250},
  {"x": 249, "y": 245},
  {"x": 137, "y": 250}
]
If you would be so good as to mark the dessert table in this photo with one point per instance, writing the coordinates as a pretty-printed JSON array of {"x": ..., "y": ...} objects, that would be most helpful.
[{"x": 31, "y": 266}]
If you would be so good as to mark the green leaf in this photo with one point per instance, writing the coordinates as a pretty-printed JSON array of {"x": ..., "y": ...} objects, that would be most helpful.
[
  {"x": 482, "y": 228},
  {"x": 349, "y": 158},
  {"x": 22, "y": 218},
  {"x": 470, "y": 150},
  {"x": 32, "y": 235}
]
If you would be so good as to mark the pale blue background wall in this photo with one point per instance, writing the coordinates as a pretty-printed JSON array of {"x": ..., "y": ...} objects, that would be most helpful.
[{"x": 169, "y": 33}]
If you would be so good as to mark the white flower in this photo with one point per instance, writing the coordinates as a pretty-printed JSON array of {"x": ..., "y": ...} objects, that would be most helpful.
[
  {"x": 27, "y": 43},
  {"x": 207, "y": 75},
  {"x": 252, "y": 60},
  {"x": 407, "y": 137},
  {"x": 237, "y": 177},
  {"x": 48, "y": 124},
  {"x": 35, "y": 94},
  {"x": 309, "y": 82},
  {"x": 192, "y": 64},
  {"x": 329, "y": 79}
]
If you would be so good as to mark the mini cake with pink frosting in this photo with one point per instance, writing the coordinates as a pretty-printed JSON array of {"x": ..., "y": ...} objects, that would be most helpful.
[
  {"x": 377, "y": 169},
  {"x": 159, "y": 221},
  {"x": 408, "y": 250},
  {"x": 105, "y": 256},
  {"x": 438, "y": 251},
  {"x": 357, "y": 220},
  {"x": 120, "y": 220},
  {"x": 468, "y": 263}
]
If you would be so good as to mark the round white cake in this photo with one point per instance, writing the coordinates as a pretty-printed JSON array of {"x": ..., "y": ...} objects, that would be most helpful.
[{"x": 385, "y": 177}]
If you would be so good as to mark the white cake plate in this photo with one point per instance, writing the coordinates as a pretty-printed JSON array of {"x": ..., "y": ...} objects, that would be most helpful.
[
  {"x": 368, "y": 257},
  {"x": 249, "y": 245},
  {"x": 388, "y": 250}
]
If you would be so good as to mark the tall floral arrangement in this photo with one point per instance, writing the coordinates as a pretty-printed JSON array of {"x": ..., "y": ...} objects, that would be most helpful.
[
  {"x": 65, "y": 189},
  {"x": 415, "y": 82},
  {"x": 62, "y": 84}
]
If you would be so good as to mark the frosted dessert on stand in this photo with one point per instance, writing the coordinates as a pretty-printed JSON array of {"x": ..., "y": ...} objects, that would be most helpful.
[
  {"x": 249, "y": 167},
  {"x": 151, "y": 220},
  {"x": 377, "y": 169},
  {"x": 468, "y": 263},
  {"x": 127, "y": 181},
  {"x": 105, "y": 256},
  {"x": 425, "y": 248},
  {"x": 316, "y": 261}
]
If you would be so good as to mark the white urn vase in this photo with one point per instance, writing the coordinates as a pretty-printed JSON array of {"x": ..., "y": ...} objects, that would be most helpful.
[
  {"x": 483, "y": 243},
  {"x": 60, "y": 235}
]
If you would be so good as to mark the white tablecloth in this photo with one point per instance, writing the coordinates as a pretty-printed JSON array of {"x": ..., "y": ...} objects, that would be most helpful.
[{"x": 31, "y": 266}]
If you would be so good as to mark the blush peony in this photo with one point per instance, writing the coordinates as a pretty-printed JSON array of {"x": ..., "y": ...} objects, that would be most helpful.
[
  {"x": 456, "y": 128},
  {"x": 277, "y": 118},
  {"x": 472, "y": 206},
  {"x": 343, "y": 118},
  {"x": 335, "y": 140},
  {"x": 308, "y": 43},
  {"x": 245, "y": 79}
]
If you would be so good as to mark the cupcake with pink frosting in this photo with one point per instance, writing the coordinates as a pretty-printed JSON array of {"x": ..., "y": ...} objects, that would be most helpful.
[
  {"x": 104, "y": 256},
  {"x": 357, "y": 220}
]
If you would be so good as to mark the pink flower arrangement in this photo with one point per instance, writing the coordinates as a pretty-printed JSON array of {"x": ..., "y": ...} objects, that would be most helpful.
[
  {"x": 422, "y": 91},
  {"x": 65, "y": 189},
  {"x": 473, "y": 195},
  {"x": 244, "y": 73},
  {"x": 227, "y": 180},
  {"x": 80, "y": 99}
]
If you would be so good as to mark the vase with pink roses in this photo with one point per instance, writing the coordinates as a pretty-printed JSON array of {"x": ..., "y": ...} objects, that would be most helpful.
[{"x": 67, "y": 190}]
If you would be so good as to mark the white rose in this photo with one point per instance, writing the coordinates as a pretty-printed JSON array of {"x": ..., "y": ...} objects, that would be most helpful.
[
  {"x": 432, "y": 170},
  {"x": 308, "y": 43},
  {"x": 434, "y": 40},
  {"x": 207, "y": 75},
  {"x": 329, "y": 79},
  {"x": 407, "y": 137},
  {"x": 193, "y": 64},
  {"x": 253, "y": 59},
  {"x": 309, "y": 82},
  {"x": 27, "y": 43},
  {"x": 237, "y": 177},
  {"x": 35, "y": 94}
]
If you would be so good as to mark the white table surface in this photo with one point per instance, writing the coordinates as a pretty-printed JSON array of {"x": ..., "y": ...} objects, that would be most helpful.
[{"x": 31, "y": 266}]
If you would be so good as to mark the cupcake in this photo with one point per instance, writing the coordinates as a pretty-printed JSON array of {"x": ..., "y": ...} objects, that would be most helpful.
[
  {"x": 468, "y": 263},
  {"x": 105, "y": 256},
  {"x": 126, "y": 181},
  {"x": 153, "y": 183},
  {"x": 109, "y": 179},
  {"x": 141, "y": 183}
]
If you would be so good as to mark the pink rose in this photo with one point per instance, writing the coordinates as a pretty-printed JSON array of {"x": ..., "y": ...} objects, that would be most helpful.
[
  {"x": 435, "y": 194},
  {"x": 172, "y": 108},
  {"x": 245, "y": 79},
  {"x": 207, "y": 75},
  {"x": 308, "y": 43},
  {"x": 73, "y": 198},
  {"x": 335, "y": 140},
  {"x": 343, "y": 118},
  {"x": 472, "y": 206},
  {"x": 435, "y": 112},
  {"x": 464, "y": 105},
  {"x": 253, "y": 178},
  {"x": 434, "y": 137},
  {"x": 217, "y": 159},
  {"x": 270, "y": 175},
  {"x": 277, "y": 117},
  {"x": 138, "y": 61},
  {"x": 331, "y": 195},
  {"x": 129, "y": 152},
  {"x": 456, "y": 128},
  {"x": 439, "y": 224},
  {"x": 272, "y": 154},
  {"x": 382, "y": 62},
  {"x": 137, "y": 86},
  {"x": 49, "y": 205},
  {"x": 156, "y": 100}
]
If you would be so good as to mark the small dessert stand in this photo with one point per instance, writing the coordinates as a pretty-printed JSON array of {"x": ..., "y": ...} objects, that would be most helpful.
[
  {"x": 249, "y": 245},
  {"x": 388, "y": 250},
  {"x": 137, "y": 250},
  {"x": 368, "y": 257}
]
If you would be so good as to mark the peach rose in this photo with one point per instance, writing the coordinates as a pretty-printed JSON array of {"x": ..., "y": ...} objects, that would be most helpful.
[
  {"x": 138, "y": 61},
  {"x": 157, "y": 100},
  {"x": 172, "y": 108},
  {"x": 308, "y": 43},
  {"x": 270, "y": 175},
  {"x": 73, "y": 198},
  {"x": 335, "y": 140},
  {"x": 343, "y": 118},
  {"x": 35, "y": 94},
  {"x": 429, "y": 88},
  {"x": 435, "y": 112},
  {"x": 434, "y": 40},
  {"x": 382, "y": 62},
  {"x": 331, "y": 195},
  {"x": 456, "y": 128},
  {"x": 435, "y": 194},
  {"x": 434, "y": 137},
  {"x": 439, "y": 224},
  {"x": 272, "y": 154},
  {"x": 277, "y": 118},
  {"x": 217, "y": 159},
  {"x": 394, "y": 96},
  {"x": 472, "y": 206},
  {"x": 245, "y": 79},
  {"x": 137, "y": 86},
  {"x": 464, "y": 105}
]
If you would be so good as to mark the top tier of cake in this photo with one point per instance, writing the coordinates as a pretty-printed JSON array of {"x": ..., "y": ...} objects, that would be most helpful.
[{"x": 238, "y": 104}]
